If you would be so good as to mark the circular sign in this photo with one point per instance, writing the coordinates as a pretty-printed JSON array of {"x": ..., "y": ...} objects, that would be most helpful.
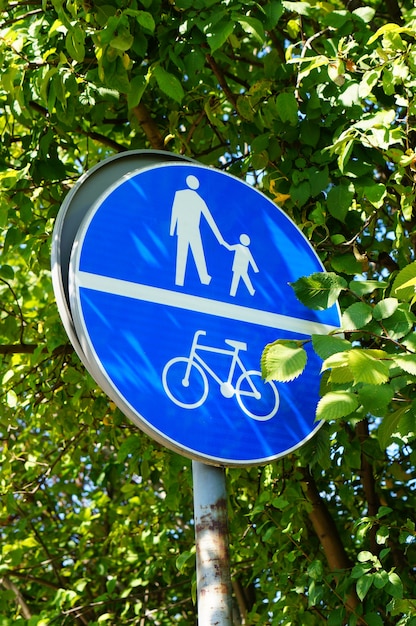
[{"x": 178, "y": 279}]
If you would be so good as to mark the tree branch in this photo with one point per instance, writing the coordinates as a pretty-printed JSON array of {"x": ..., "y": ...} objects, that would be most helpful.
[
  {"x": 221, "y": 80},
  {"x": 328, "y": 535},
  {"x": 324, "y": 526},
  {"x": 106, "y": 141},
  {"x": 149, "y": 126},
  {"x": 368, "y": 482},
  {"x": 35, "y": 579},
  {"x": 18, "y": 348},
  {"x": 7, "y": 584},
  {"x": 245, "y": 597},
  {"x": 19, "y": 18},
  {"x": 29, "y": 348}
]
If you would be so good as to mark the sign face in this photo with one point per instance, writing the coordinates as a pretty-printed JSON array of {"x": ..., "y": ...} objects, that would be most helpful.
[{"x": 178, "y": 279}]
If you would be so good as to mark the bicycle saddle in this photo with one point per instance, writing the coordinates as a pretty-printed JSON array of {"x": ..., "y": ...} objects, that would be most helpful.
[{"x": 238, "y": 345}]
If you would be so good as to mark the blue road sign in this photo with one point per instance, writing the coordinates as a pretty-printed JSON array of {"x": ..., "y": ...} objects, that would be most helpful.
[{"x": 178, "y": 279}]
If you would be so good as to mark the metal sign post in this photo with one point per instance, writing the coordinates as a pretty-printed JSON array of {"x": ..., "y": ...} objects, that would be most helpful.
[{"x": 211, "y": 540}]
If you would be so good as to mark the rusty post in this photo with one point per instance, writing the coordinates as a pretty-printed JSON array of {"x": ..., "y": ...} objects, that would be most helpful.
[{"x": 212, "y": 551}]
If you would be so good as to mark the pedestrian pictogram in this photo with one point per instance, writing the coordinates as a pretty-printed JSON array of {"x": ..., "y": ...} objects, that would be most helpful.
[
  {"x": 187, "y": 210},
  {"x": 179, "y": 277}
]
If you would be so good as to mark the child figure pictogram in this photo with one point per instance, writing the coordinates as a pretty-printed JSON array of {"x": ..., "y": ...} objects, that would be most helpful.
[{"x": 243, "y": 259}]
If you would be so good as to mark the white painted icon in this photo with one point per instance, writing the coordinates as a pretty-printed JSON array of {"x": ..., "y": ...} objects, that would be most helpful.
[
  {"x": 242, "y": 261},
  {"x": 185, "y": 380},
  {"x": 187, "y": 210}
]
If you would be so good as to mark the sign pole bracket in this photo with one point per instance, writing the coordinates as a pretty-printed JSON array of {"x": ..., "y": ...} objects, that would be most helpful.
[{"x": 212, "y": 546}]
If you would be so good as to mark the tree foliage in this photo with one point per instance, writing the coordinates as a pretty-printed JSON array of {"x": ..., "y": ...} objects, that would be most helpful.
[{"x": 313, "y": 102}]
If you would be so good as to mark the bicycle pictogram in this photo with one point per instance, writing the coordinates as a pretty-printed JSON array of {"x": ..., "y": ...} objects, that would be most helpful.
[{"x": 185, "y": 380}]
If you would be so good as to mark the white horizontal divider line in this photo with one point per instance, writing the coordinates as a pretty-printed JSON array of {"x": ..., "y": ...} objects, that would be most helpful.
[{"x": 188, "y": 302}]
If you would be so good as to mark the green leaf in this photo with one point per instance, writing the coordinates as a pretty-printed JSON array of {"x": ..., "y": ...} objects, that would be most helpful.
[
  {"x": 337, "y": 359},
  {"x": 253, "y": 26},
  {"x": 326, "y": 345},
  {"x": 404, "y": 285},
  {"x": 279, "y": 503},
  {"x": 346, "y": 264},
  {"x": 320, "y": 290},
  {"x": 283, "y": 360},
  {"x": 11, "y": 399},
  {"x": 389, "y": 28},
  {"x": 376, "y": 194},
  {"x": 336, "y": 404},
  {"x": 375, "y": 398},
  {"x": 244, "y": 107},
  {"x": 395, "y": 587},
  {"x": 183, "y": 558},
  {"x": 302, "y": 8},
  {"x": 218, "y": 34},
  {"x": 341, "y": 375},
  {"x": 365, "y": 556},
  {"x": 137, "y": 88},
  {"x": 74, "y": 42},
  {"x": 383, "y": 511},
  {"x": 6, "y": 272},
  {"x": 367, "y": 83},
  {"x": 389, "y": 426},
  {"x": 308, "y": 64},
  {"x": 300, "y": 193},
  {"x": 400, "y": 323},
  {"x": 357, "y": 316},
  {"x": 385, "y": 308},
  {"x": 146, "y": 20},
  {"x": 406, "y": 361},
  {"x": 401, "y": 607},
  {"x": 364, "y": 287},
  {"x": 287, "y": 108},
  {"x": 365, "y": 13},
  {"x": 316, "y": 570},
  {"x": 123, "y": 41},
  {"x": 344, "y": 153},
  {"x": 339, "y": 200},
  {"x": 363, "y": 585},
  {"x": 366, "y": 366},
  {"x": 336, "y": 617},
  {"x": 318, "y": 178},
  {"x": 130, "y": 446},
  {"x": 273, "y": 10},
  {"x": 168, "y": 83}
]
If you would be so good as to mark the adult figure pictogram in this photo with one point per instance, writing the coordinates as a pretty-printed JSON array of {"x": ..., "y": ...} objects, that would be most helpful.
[{"x": 187, "y": 209}]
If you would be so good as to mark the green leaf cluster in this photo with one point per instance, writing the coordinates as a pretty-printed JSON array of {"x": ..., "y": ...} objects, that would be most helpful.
[
  {"x": 374, "y": 374},
  {"x": 313, "y": 103}
]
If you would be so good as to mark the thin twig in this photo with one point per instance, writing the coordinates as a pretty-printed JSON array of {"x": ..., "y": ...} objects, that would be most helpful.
[{"x": 221, "y": 80}]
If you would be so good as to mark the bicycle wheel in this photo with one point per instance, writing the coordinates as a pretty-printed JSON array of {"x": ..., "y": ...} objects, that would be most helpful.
[
  {"x": 257, "y": 398},
  {"x": 190, "y": 395}
]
